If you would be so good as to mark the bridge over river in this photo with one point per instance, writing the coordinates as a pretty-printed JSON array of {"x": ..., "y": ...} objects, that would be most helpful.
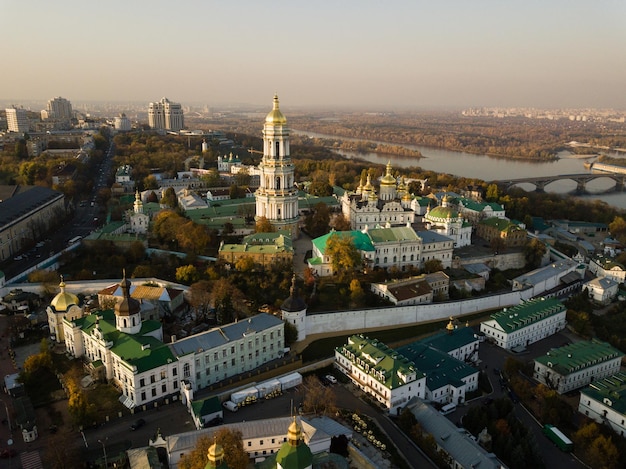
[{"x": 581, "y": 180}]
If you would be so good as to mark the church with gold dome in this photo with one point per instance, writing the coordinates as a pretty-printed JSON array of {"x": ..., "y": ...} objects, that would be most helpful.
[
  {"x": 63, "y": 305},
  {"x": 391, "y": 205},
  {"x": 448, "y": 221},
  {"x": 277, "y": 196}
]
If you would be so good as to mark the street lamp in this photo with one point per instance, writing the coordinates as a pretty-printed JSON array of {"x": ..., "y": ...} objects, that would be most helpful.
[{"x": 104, "y": 451}]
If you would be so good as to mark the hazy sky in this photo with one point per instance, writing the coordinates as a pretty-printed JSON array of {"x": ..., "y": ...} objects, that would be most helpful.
[{"x": 353, "y": 53}]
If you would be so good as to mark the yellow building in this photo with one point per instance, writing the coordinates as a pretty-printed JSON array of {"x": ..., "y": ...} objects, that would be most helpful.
[{"x": 264, "y": 249}]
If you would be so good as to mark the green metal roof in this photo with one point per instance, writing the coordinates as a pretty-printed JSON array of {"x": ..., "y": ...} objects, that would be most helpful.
[
  {"x": 210, "y": 405},
  {"x": 361, "y": 241},
  {"x": 398, "y": 233},
  {"x": 377, "y": 358},
  {"x": 135, "y": 350},
  {"x": 612, "y": 388},
  {"x": 443, "y": 212},
  {"x": 500, "y": 224},
  {"x": 579, "y": 355},
  {"x": 261, "y": 243},
  {"x": 448, "y": 341},
  {"x": 527, "y": 313}
]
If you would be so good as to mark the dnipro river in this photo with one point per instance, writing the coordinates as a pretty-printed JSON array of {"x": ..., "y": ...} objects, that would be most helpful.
[{"x": 490, "y": 168}]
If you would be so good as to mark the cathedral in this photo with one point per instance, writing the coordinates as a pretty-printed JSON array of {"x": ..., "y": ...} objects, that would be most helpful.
[{"x": 277, "y": 195}]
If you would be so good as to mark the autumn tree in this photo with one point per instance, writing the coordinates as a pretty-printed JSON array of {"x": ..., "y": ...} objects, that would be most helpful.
[
  {"x": 433, "y": 265},
  {"x": 356, "y": 292},
  {"x": 618, "y": 229},
  {"x": 316, "y": 223},
  {"x": 492, "y": 193},
  {"x": 263, "y": 225},
  {"x": 231, "y": 441},
  {"x": 340, "y": 223},
  {"x": 169, "y": 198},
  {"x": 344, "y": 256},
  {"x": 534, "y": 250},
  {"x": 291, "y": 334},
  {"x": 187, "y": 274},
  {"x": 319, "y": 399},
  {"x": 227, "y": 300}
]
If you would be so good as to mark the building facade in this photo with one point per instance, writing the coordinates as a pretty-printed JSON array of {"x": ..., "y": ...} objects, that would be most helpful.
[
  {"x": 277, "y": 196},
  {"x": 60, "y": 108},
  {"x": 166, "y": 115},
  {"x": 576, "y": 365},
  {"x": 17, "y": 119},
  {"x": 526, "y": 323},
  {"x": 381, "y": 372},
  {"x": 264, "y": 249},
  {"x": 605, "y": 402},
  {"x": 502, "y": 231}
]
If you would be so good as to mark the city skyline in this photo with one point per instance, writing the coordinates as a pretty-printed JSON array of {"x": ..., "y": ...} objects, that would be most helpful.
[{"x": 398, "y": 55}]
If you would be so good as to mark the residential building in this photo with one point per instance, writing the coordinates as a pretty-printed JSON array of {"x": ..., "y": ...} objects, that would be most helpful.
[
  {"x": 122, "y": 123},
  {"x": 501, "y": 231},
  {"x": 602, "y": 290},
  {"x": 576, "y": 365},
  {"x": 414, "y": 290},
  {"x": 17, "y": 119},
  {"x": 474, "y": 211},
  {"x": 526, "y": 323},
  {"x": 604, "y": 401},
  {"x": 277, "y": 195},
  {"x": 264, "y": 249},
  {"x": 166, "y": 115},
  {"x": 60, "y": 109},
  {"x": 26, "y": 214},
  {"x": 386, "y": 375}
]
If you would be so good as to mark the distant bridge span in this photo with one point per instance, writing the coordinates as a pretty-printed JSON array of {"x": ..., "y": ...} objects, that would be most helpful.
[{"x": 581, "y": 181}]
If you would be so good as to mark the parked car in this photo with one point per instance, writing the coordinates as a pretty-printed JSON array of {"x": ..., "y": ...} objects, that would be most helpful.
[
  {"x": 331, "y": 379},
  {"x": 137, "y": 424}
]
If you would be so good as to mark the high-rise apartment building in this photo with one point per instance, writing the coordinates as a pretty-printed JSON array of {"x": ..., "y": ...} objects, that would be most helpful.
[
  {"x": 166, "y": 115},
  {"x": 60, "y": 108},
  {"x": 17, "y": 119},
  {"x": 122, "y": 122}
]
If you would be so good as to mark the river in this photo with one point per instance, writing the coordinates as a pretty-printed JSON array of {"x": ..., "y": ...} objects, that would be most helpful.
[{"x": 490, "y": 168}]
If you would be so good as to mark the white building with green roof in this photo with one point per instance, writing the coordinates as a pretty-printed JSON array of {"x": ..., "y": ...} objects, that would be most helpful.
[
  {"x": 474, "y": 211},
  {"x": 576, "y": 365},
  {"x": 399, "y": 246},
  {"x": 448, "y": 221},
  {"x": 381, "y": 372},
  {"x": 129, "y": 352},
  {"x": 606, "y": 266},
  {"x": 526, "y": 323},
  {"x": 605, "y": 402}
]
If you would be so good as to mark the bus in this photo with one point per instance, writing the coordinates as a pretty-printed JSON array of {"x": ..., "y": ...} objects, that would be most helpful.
[
  {"x": 558, "y": 438},
  {"x": 74, "y": 240},
  {"x": 448, "y": 409}
]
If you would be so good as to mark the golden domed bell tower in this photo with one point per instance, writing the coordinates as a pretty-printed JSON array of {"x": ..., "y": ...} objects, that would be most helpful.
[{"x": 277, "y": 196}]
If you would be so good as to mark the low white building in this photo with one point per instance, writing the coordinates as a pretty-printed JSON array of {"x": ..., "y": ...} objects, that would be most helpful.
[
  {"x": 602, "y": 289},
  {"x": 525, "y": 323},
  {"x": 576, "y": 365},
  {"x": 606, "y": 266},
  {"x": 381, "y": 372},
  {"x": 413, "y": 290},
  {"x": 605, "y": 402},
  {"x": 546, "y": 278}
]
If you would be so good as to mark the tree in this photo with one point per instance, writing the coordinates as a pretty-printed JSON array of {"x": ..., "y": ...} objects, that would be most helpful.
[
  {"x": 169, "y": 198},
  {"x": 187, "y": 274},
  {"x": 291, "y": 334},
  {"x": 604, "y": 453},
  {"x": 534, "y": 250},
  {"x": 244, "y": 264},
  {"x": 618, "y": 229},
  {"x": 340, "y": 223},
  {"x": 344, "y": 256},
  {"x": 493, "y": 193},
  {"x": 316, "y": 223},
  {"x": 433, "y": 265},
  {"x": 231, "y": 441},
  {"x": 356, "y": 291},
  {"x": 263, "y": 225},
  {"x": 318, "y": 399}
]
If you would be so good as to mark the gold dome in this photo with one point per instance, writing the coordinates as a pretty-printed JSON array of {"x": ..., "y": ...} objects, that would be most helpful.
[
  {"x": 388, "y": 179},
  {"x": 216, "y": 453},
  {"x": 63, "y": 300},
  {"x": 450, "y": 326},
  {"x": 275, "y": 116},
  {"x": 294, "y": 434}
]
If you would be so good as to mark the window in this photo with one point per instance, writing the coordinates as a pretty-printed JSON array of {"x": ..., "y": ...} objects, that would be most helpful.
[
  {"x": 163, "y": 374},
  {"x": 152, "y": 379},
  {"x": 142, "y": 382},
  {"x": 175, "y": 384},
  {"x": 153, "y": 392},
  {"x": 186, "y": 372},
  {"x": 175, "y": 371},
  {"x": 143, "y": 395},
  {"x": 163, "y": 388}
]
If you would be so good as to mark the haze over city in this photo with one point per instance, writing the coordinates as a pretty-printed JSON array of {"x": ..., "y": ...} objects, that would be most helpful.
[{"x": 378, "y": 55}]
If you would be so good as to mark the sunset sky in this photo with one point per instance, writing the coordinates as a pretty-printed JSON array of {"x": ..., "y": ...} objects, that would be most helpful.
[{"x": 363, "y": 54}]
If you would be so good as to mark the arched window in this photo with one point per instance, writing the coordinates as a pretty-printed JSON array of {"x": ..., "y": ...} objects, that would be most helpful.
[
  {"x": 277, "y": 183},
  {"x": 277, "y": 149}
]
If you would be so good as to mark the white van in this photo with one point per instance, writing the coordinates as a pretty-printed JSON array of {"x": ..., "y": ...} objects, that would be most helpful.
[
  {"x": 230, "y": 405},
  {"x": 447, "y": 409}
]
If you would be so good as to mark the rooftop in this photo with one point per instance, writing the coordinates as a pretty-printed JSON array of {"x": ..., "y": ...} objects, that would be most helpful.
[
  {"x": 611, "y": 391},
  {"x": 527, "y": 313},
  {"x": 578, "y": 356}
]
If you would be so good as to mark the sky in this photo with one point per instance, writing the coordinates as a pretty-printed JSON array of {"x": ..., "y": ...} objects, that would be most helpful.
[{"x": 361, "y": 54}]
